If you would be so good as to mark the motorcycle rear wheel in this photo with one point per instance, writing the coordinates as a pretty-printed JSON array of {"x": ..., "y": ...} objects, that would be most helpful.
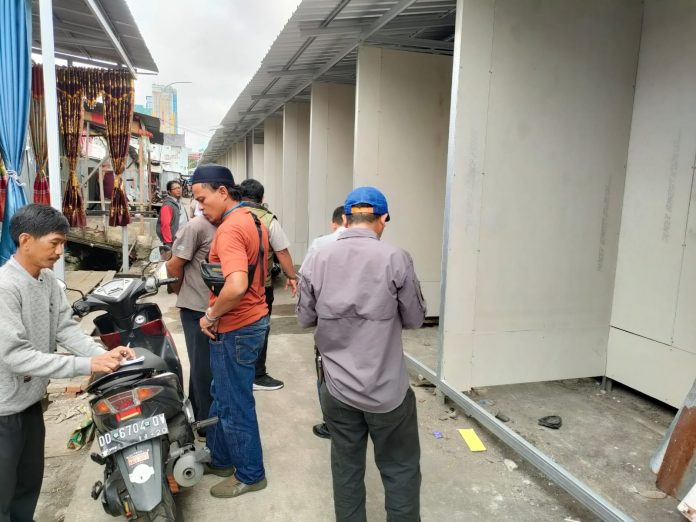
[{"x": 165, "y": 511}]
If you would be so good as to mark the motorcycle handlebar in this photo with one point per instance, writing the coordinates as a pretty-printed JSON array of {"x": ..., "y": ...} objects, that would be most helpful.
[{"x": 167, "y": 281}]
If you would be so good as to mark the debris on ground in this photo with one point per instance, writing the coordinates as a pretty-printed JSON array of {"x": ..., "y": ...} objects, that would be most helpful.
[
  {"x": 502, "y": 417},
  {"x": 653, "y": 494},
  {"x": 510, "y": 464},
  {"x": 472, "y": 440},
  {"x": 437, "y": 434},
  {"x": 452, "y": 413},
  {"x": 422, "y": 382},
  {"x": 486, "y": 402},
  {"x": 551, "y": 421}
]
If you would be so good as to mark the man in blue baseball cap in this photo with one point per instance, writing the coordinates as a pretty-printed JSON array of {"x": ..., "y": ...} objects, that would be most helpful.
[{"x": 360, "y": 292}]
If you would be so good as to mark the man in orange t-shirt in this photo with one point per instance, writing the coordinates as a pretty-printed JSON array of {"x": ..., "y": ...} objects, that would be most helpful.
[{"x": 236, "y": 322}]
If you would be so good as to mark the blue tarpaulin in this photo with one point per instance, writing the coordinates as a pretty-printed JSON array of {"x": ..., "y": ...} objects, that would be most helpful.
[{"x": 15, "y": 94}]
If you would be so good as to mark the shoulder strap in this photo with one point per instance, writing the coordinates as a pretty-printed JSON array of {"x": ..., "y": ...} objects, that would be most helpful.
[{"x": 261, "y": 255}]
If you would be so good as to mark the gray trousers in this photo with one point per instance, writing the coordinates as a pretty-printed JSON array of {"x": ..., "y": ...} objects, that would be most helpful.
[
  {"x": 21, "y": 463},
  {"x": 397, "y": 455}
]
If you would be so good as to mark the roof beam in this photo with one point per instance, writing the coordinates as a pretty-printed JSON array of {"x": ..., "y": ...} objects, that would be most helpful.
[
  {"x": 411, "y": 42},
  {"x": 308, "y": 29},
  {"x": 104, "y": 22}
]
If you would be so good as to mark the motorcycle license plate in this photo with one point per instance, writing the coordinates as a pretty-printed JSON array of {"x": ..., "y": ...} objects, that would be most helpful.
[{"x": 138, "y": 431}]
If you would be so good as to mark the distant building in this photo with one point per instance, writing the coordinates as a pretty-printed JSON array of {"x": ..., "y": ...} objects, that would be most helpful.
[
  {"x": 164, "y": 106},
  {"x": 172, "y": 156}
]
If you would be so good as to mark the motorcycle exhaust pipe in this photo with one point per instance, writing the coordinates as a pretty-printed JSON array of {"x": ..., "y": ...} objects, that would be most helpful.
[{"x": 205, "y": 423}]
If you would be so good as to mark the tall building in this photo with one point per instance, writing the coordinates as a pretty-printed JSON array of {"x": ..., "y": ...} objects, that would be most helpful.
[{"x": 164, "y": 107}]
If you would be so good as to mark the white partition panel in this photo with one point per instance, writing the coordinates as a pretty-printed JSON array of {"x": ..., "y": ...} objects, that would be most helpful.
[
  {"x": 544, "y": 96},
  {"x": 332, "y": 127},
  {"x": 273, "y": 164},
  {"x": 258, "y": 172},
  {"x": 402, "y": 114},
  {"x": 653, "y": 342},
  {"x": 295, "y": 177}
]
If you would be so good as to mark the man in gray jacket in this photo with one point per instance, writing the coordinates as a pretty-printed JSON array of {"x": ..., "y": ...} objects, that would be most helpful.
[
  {"x": 35, "y": 317},
  {"x": 360, "y": 292}
]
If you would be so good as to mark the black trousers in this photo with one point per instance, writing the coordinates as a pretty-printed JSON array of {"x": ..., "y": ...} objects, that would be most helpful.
[
  {"x": 198, "y": 349},
  {"x": 397, "y": 455},
  {"x": 261, "y": 361},
  {"x": 22, "y": 438}
]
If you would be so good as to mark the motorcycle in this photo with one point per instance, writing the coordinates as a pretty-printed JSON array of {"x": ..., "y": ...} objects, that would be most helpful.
[{"x": 144, "y": 423}]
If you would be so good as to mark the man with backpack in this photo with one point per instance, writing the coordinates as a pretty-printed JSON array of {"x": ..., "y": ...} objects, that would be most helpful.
[{"x": 236, "y": 323}]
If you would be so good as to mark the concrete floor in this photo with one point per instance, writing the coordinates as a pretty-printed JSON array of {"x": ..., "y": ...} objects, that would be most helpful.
[{"x": 606, "y": 440}]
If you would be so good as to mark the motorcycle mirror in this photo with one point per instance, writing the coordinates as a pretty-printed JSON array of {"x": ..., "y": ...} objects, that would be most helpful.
[{"x": 160, "y": 253}]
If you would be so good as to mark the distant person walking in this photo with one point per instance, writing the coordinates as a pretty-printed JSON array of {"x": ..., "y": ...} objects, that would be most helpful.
[
  {"x": 172, "y": 215},
  {"x": 360, "y": 292}
]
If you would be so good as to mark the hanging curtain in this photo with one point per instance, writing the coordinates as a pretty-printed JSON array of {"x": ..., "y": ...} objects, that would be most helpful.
[
  {"x": 93, "y": 81},
  {"x": 3, "y": 188},
  {"x": 37, "y": 126},
  {"x": 15, "y": 89},
  {"x": 118, "y": 113},
  {"x": 70, "y": 112}
]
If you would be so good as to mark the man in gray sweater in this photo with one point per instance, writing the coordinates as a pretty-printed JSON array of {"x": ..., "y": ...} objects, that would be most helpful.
[{"x": 35, "y": 317}]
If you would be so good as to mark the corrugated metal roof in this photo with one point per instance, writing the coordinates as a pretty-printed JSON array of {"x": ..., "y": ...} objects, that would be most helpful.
[
  {"x": 320, "y": 42},
  {"x": 78, "y": 33}
]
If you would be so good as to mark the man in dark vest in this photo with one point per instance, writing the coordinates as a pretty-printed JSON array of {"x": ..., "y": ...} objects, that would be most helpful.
[
  {"x": 252, "y": 195},
  {"x": 172, "y": 215}
]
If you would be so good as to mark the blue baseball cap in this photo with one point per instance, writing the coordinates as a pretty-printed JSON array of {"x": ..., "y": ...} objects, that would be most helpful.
[{"x": 366, "y": 196}]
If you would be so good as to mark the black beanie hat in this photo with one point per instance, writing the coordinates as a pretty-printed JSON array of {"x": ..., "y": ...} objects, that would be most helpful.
[{"x": 211, "y": 173}]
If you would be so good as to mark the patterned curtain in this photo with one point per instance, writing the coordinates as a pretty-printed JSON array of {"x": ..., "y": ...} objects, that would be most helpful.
[
  {"x": 93, "y": 80},
  {"x": 118, "y": 113},
  {"x": 37, "y": 125},
  {"x": 70, "y": 112}
]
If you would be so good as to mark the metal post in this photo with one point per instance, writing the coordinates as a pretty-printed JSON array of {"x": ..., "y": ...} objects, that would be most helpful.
[
  {"x": 141, "y": 176},
  {"x": 124, "y": 249},
  {"x": 51, "y": 98}
]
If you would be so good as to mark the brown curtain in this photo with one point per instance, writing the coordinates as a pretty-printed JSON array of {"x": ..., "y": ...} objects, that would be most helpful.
[
  {"x": 118, "y": 113},
  {"x": 70, "y": 112},
  {"x": 93, "y": 81},
  {"x": 37, "y": 126}
]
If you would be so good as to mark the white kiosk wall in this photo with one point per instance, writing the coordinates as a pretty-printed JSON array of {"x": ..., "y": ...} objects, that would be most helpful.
[
  {"x": 402, "y": 114},
  {"x": 295, "y": 177},
  {"x": 273, "y": 164},
  {"x": 258, "y": 173},
  {"x": 652, "y": 344},
  {"x": 331, "y": 131},
  {"x": 543, "y": 100}
]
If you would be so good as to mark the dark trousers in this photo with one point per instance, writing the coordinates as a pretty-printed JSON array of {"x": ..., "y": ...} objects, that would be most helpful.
[
  {"x": 198, "y": 350},
  {"x": 397, "y": 455},
  {"x": 21, "y": 463},
  {"x": 261, "y": 361}
]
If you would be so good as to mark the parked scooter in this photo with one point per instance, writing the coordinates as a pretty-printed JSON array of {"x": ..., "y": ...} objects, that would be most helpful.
[{"x": 144, "y": 423}]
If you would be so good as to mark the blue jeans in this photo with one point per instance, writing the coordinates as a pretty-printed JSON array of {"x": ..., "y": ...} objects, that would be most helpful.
[{"x": 235, "y": 440}]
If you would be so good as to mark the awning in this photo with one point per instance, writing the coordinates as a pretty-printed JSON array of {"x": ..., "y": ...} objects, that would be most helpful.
[
  {"x": 320, "y": 42},
  {"x": 98, "y": 32}
]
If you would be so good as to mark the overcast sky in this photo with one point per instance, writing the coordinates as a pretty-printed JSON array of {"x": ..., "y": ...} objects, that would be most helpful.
[{"x": 216, "y": 44}]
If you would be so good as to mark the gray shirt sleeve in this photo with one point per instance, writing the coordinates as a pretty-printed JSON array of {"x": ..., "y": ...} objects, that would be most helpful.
[
  {"x": 412, "y": 307},
  {"x": 306, "y": 302},
  {"x": 276, "y": 237},
  {"x": 20, "y": 357},
  {"x": 70, "y": 336}
]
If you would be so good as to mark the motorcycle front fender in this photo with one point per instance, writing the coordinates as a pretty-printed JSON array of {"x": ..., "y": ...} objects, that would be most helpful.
[{"x": 141, "y": 468}]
